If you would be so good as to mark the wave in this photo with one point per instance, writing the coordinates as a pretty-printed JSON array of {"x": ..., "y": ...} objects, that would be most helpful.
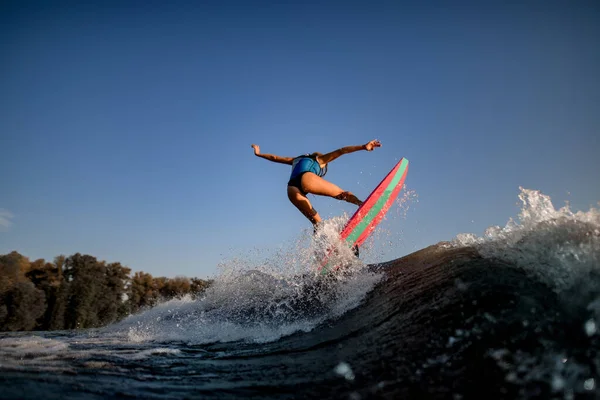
[{"x": 509, "y": 314}]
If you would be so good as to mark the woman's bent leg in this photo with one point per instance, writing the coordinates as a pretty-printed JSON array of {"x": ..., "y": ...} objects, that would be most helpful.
[
  {"x": 312, "y": 183},
  {"x": 303, "y": 204}
]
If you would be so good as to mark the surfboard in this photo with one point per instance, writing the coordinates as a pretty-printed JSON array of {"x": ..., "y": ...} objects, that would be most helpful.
[{"x": 363, "y": 222}]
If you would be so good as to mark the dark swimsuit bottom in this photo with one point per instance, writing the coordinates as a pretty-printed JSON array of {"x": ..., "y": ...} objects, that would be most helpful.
[{"x": 297, "y": 182}]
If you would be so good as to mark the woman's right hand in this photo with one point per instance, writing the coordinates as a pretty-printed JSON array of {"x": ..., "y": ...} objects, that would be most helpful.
[{"x": 256, "y": 149}]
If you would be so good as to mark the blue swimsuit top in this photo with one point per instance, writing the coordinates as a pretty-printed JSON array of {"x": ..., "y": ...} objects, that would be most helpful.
[{"x": 306, "y": 163}]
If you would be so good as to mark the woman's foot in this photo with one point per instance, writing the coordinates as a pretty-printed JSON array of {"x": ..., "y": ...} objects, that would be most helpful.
[{"x": 349, "y": 197}]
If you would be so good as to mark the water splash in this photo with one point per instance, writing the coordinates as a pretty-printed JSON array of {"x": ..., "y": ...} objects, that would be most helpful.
[
  {"x": 559, "y": 246},
  {"x": 390, "y": 234},
  {"x": 405, "y": 202},
  {"x": 261, "y": 300}
]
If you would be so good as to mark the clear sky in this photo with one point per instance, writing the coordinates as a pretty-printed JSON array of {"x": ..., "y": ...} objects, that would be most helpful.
[{"x": 126, "y": 126}]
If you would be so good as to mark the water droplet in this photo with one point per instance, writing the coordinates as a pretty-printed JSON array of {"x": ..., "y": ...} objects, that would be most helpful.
[
  {"x": 343, "y": 369},
  {"x": 511, "y": 377},
  {"x": 355, "y": 396},
  {"x": 558, "y": 383},
  {"x": 590, "y": 327}
]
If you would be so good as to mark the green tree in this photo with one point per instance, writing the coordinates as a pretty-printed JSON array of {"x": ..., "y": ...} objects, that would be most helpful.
[
  {"x": 79, "y": 292},
  {"x": 12, "y": 270},
  {"x": 143, "y": 292},
  {"x": 48, "y": 278},
  {"x": 111, "y": 302},
  {"x": 24, "y": 304},
  {"x": 57, "y": 316},
  {"x": 21, "y": 304},
  {"x": 175, "y": 287},
  {"x": 198, "y": 286},
  {"x": 84, "y": 277}
]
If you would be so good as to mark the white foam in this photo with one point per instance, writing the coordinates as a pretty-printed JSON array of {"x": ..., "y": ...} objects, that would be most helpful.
[
  {"x": 30, "y": 346},
  {"x": 140, "y": 355},
  {"x": 24, "y": 351}
]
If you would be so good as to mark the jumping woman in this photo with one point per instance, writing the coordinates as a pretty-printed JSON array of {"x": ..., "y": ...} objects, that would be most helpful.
[{"x": 307, "y": 175}]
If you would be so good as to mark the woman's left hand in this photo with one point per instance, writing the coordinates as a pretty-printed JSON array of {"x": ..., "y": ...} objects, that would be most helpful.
[
  {"x": 256, "y": 149},
  {"x": 372, "y": 144}
]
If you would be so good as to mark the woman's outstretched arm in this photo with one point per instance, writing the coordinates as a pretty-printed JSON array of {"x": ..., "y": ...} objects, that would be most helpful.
[
  {"x": 329, "y": 157},
  {"x": 272, "y": 157}
]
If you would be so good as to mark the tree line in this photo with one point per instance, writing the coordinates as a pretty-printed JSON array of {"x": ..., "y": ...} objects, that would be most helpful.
[{"x": 79, "y": 292}]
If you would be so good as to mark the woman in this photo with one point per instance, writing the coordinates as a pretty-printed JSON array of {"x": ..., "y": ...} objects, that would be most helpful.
[{"x": 307, "y": 177}]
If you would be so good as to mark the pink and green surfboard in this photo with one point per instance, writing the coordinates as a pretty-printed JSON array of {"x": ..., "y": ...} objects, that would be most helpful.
[{"x": 371, "y": 212}]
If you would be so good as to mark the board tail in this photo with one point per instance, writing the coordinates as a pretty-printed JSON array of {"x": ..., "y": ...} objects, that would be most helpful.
[{"x": 371, "y": 212}]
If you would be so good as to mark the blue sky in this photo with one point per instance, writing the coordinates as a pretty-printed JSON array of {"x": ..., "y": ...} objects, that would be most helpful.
[{"x": 126, "y": 127}]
